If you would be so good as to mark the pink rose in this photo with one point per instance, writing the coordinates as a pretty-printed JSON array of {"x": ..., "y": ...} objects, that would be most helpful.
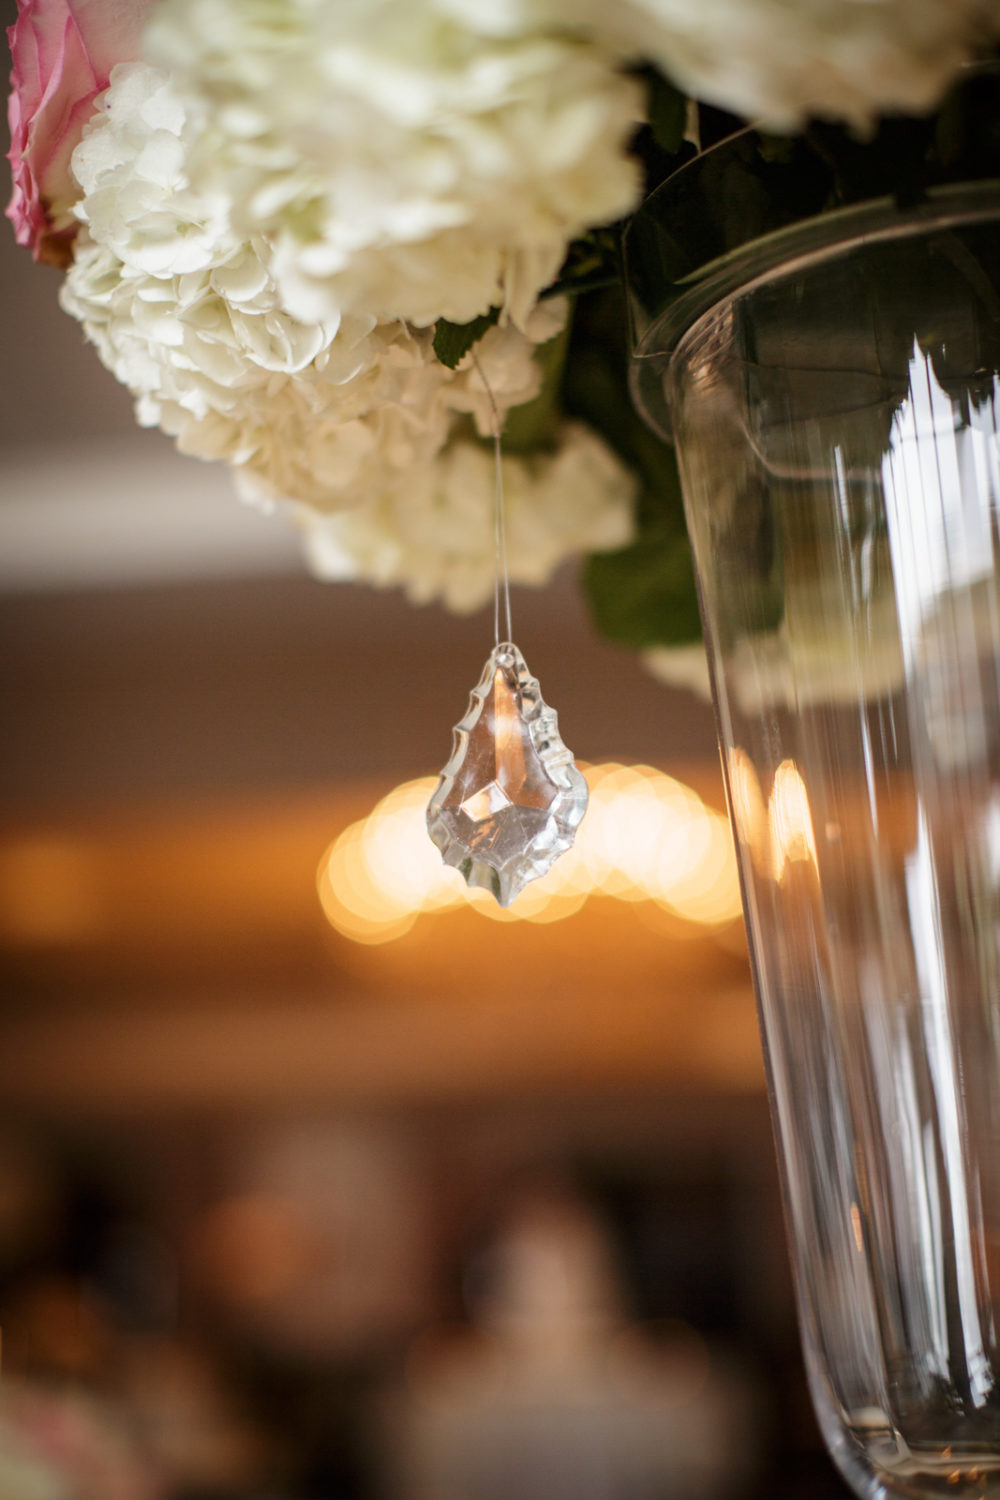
[{"x": 62, "y": 53}]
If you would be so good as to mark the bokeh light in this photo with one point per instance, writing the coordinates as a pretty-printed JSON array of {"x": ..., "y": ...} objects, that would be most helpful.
[{"x": 646, "y": 838}]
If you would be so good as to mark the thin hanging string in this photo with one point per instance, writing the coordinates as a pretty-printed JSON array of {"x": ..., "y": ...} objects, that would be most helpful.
[{"x": 501, "y": 581}]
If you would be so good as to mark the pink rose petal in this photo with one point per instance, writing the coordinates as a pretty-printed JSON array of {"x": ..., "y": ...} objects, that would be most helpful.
[{"x": 62, "y": 53}]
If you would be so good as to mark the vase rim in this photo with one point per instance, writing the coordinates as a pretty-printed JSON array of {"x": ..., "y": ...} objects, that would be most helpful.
[{"x": 756, "y": 204}]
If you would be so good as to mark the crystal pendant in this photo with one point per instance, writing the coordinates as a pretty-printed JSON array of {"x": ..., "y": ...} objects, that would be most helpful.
[{"x": 510, "y": 798}]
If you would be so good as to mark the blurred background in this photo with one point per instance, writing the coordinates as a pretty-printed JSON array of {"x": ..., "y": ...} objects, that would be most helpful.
[{"x": 317, "y": 1183}]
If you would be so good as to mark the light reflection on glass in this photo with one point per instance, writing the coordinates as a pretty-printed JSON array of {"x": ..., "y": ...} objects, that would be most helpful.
[{"x": 791, "y": 828}]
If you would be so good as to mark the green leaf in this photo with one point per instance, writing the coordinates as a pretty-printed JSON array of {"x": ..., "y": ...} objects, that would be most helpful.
[
  {"x": 667, "y": 111},
  {"x": 533, "y": 425},
  {"x": 645, "y": 594},
  {"x": 592, "y": 262},
  {"x": 452, "y": 341}
]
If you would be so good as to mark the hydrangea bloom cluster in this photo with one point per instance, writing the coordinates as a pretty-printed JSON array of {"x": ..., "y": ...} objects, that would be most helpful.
[
  {"x": 434, "y": 535},
  {"x": 188, "y": 315},
  {"x": 404, "y": 160},
  {"x": 274, "y": 202},
  {"x": 768, "y": 59}
]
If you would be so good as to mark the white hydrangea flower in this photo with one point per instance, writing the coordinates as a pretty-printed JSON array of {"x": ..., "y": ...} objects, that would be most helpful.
[
  {"x": 434, "y": 536},
  {"x": 330, "y": 445},
  {"x": 768, "y": 59},
  {"x": 502, "y": 369},
  {"x": 324, "y": 414},
  {"x": 131, "y": 167},
  {"x": 682, "y": 667},
  {"x": 408, "y": 160},
  {"x": 801, "y": 662}
]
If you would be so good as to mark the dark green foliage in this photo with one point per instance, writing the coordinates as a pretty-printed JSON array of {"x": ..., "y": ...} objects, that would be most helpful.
[
  {"x": 643, "y": 595},
  {"x": 452, "y": 341}
]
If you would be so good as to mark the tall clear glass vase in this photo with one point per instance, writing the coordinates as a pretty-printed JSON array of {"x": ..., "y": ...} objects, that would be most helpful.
[{"x": 833, "y": 389}]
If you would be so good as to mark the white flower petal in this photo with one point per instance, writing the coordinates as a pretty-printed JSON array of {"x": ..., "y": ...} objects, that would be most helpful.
[
  {"x": 443, "y": 160},
  {"x": 432, "y": 533}
]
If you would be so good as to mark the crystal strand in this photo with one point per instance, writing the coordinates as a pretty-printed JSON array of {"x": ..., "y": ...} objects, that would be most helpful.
[
  {"x": 501, "y": 548},
  {"x": 499, "y": 519},
  {"x": 510, "y": 799}
]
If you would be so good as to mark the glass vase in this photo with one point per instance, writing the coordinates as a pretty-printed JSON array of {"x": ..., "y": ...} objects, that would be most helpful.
[{"x": 832, "y": 384}]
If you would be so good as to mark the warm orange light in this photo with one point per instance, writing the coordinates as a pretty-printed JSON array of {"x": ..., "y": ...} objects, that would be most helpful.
[
  {"x": 749, "y": 807},
  {"x": 791, "y": 826},
  {"x": 50, "y": 891},
  {"x": 646, "y": 837}
]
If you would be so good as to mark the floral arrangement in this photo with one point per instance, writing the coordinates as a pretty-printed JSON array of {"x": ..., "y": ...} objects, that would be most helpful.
[{"x": 322, "y": 240}]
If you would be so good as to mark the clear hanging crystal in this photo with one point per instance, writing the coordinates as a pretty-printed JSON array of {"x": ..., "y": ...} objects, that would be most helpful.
[{"x": 510, "y": 798}]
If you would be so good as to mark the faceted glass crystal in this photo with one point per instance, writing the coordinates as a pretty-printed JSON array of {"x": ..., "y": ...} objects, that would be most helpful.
[{"x": 510, "y": 799}]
